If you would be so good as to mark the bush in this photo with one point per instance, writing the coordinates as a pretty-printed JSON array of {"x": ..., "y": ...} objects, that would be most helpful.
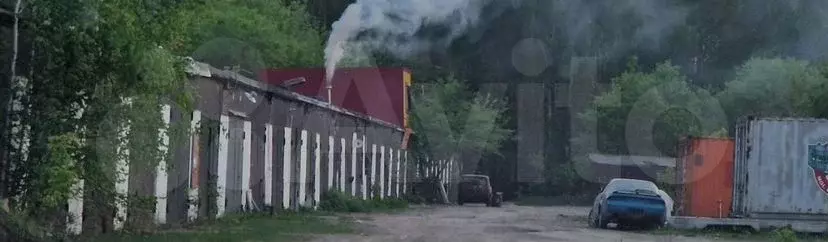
[
  {"x": 336, "y": 201},
  {"x": 784, "y": 235},
  {"x": 14, "y": 228},
  {"x": 414, "y": 199}
]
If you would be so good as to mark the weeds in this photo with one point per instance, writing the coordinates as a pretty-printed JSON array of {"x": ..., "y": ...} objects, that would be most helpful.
[
  {"x": 336, "y": 201},
  {"x": 295, "y": 226},
  {"x": 784, "y": 235}
]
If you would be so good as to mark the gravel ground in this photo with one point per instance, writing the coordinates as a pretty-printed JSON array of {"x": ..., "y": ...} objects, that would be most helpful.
[{"x": 482, "y": 224}]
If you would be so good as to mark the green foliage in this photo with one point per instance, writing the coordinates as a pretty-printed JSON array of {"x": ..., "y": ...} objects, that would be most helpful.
[
  {"x": 565, "y": 180},
  {"x": 91, "y": 55},
  {"x": 660, "y": 103},
  {"x": 141, "y": 214},
  {"x": 666, "y": 180},
  {"x": 15, "y": 227},
  {"x": 59, "y": 173},
  {"x": 251, "y": 34},
  {"x": 774, "y": 87},
  {"x": 286, "y": 227},
  {"x": 784, "y": 235},
  {"x": 450, "y": 120},
  {"x": 336, "y": 201},
  {"x": 819, "y": 95}
]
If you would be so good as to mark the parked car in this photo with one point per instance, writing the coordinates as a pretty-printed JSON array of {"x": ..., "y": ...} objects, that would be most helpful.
[
  {"x": 475, "y": 189},
  {"x": 628, "y": 202}
]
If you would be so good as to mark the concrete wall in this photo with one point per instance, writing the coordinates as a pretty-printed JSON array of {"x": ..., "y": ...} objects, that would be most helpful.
[{"x": 258, "y": 148}]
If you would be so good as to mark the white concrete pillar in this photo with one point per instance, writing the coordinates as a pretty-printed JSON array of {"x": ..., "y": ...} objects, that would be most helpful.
[
  {"x": 161, "y": 175},
  {"x": 331, "y": 168},
  {"x": 405, "y": 173},
  {"x": 373, "y": 169},
  {"x": 122, "y": 173},
  {"x": 445, "y": 171},
  {"x": 364, "y": 187},
  {"x": 342, "y": 167},
  {"x": 353, "y": 163},
  {"x": 317, "y": 177},
  {"x": 430, "y": 169},
  {"x": 397, "y": 175},
  {"x": 246, "y": 152},
  {"x": 192, "y": 191},
  {"x": 416, "y": 168},
  {"x": 268, "y": 164},
  {"x": 74, "y": 222},
  {"x": 444, "y": 175},
  {"x": 390, "y": 180},
  {"x": 287, "y": 152},
  {"x": 221, "y": 176},
  {"x": 382, "y": 172},
  {"x": 448, "y": 171},
  {"x": 303, "y": 168},
  {"x": 450, "y": 175}
]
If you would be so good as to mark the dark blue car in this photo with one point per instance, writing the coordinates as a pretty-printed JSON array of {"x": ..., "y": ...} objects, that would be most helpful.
[{"x": 628, "y": 202}]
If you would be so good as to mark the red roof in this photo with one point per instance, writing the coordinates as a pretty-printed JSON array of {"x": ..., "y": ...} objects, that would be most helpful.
[{"x": 377, "y": 92}]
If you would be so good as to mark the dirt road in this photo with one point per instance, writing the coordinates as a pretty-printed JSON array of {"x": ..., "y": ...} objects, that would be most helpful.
[{"x": 483, "y": 224}]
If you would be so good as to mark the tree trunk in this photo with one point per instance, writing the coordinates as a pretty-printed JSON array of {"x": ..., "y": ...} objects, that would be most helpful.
[
  {"x": 5, "y": 162},
  {"x": 443, "y": 195}
]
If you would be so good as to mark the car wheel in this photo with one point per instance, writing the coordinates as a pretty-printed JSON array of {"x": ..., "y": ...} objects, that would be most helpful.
[{"x": 661, "y": 223}]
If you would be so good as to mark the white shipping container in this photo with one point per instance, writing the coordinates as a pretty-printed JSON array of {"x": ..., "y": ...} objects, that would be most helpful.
[{"x": 780, "y": 169}]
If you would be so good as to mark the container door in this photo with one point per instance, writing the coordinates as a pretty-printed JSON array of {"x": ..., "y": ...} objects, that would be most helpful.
[
  {"x": 710, "y": 168},
  {"x": 782, "y": 182}
]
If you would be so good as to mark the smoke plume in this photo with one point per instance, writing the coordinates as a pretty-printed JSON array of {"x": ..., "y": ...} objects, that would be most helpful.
[{"x": 399, "y": 27}]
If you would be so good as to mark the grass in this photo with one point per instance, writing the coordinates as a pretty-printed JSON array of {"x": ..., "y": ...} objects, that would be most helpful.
[
  {"x": 286, "y": 226},
  {"x": 339, "y": 202},
  {"x": 729, "y": 233},
  {"x": 718, "y": 233},
  {"x": 258, "y": 228}
]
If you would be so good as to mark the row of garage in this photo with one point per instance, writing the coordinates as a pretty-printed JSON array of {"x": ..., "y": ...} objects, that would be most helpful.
[{"x": 251, "y": 148}]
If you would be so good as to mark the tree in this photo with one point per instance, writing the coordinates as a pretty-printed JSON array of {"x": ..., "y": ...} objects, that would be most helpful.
[
  {"x": 92, "y": 56},
  {"x": 88, "y": 56},
  {"x": 774, "y": 87},
  {"x": 649, "y": 110},
  {"x": 253, "y": 35},
  {"x": 452, "y": 123},
  {"x": 644, "y": 113},
  {"x": 819, "y": 94}
]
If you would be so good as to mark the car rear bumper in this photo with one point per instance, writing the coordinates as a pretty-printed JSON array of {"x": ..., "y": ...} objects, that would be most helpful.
[{"x": 630, "y": 212}]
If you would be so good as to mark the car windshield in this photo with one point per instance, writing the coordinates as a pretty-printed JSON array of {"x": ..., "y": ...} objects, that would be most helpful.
[{"x": 630, "y": 185}]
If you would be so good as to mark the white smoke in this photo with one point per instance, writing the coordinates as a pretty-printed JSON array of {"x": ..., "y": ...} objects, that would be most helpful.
[{"x": 397, "y": 26}]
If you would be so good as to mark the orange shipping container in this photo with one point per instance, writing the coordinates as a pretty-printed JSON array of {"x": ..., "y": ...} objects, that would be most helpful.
[{"x": 705, "y": 170}]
